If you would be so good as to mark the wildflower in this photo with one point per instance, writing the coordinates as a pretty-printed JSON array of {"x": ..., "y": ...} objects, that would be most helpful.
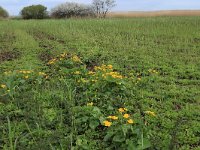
[
  {"x": 42, "y": 73},
  {"x": 52, "y": 61},
  {"x": 150, "y": 113},
  {"x": 139, "y": 79},
  {"x": 113, "y": 75},
  {"x": 26, "y": 77},
  {"x": 84, "y": 80},
  {"x": 121, "y": 110},
  {"x": 28, "y": 71},
  {"x": 77, "y": 72},
  {"x": 7, "y": 72},
  {"x": 91, "y": 72},
  {"x": 76, "y": 59},
  {"x": 3, "y": 86},
  {"x": 107, "y": 123},
  {"x": 94, "y": 80},
  {"x": 130, "y": 121},
  {"x": 126, "y": 116},
  {"x": 125, "y": 109},
  {"x": 113, "y": 117},
  {"x": 90, "y": 104},
  {"x": 110, "y": 66},
  {"x": 63, "y": 55}
]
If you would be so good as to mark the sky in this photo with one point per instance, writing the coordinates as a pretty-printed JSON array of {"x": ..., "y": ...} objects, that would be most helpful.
[{"x": 14, "y": 6}]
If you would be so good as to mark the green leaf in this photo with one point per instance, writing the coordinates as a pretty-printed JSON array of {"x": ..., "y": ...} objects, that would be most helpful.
[
  {"x": 146, "y": 144},
  {"x": 93, "y": 124},
  {"x": 108, "y": 136},
  {"x": 119, "y": 138}
]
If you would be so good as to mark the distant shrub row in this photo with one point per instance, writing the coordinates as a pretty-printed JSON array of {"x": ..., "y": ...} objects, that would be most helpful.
[
  {"x": 3, "y": 13},
  {"x": 98, "y": 8}
]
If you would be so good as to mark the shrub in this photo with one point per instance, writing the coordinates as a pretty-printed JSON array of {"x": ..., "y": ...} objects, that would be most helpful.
[
  {"x": 71, "y": 9},
  {"x": 3, "y": 13},
  {"x": 34, "y": 12}
]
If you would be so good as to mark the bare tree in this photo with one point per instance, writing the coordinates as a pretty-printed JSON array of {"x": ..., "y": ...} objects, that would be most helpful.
[{"x": 102, "y": 7}]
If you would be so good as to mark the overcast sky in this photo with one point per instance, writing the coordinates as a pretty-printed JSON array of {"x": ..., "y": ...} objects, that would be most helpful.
[{"x": 14, "y": 6}]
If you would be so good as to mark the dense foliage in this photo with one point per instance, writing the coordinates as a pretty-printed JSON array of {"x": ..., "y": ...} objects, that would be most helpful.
[
  {"x": 71, "y": 9},
  {"x": 34, "y": 12},
  {"x": 100, "y": 84},
  {"x": 3, "y": 13}
]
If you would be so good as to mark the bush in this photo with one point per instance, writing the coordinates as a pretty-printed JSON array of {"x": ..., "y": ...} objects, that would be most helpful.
[
  {"x": 34, "y": 12},
  {"x": 3, "y": 13},
  {"x": 70, "y": 9}
]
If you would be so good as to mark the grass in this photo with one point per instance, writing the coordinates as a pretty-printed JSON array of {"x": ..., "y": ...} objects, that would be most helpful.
[{"x": 50, "y": 108}]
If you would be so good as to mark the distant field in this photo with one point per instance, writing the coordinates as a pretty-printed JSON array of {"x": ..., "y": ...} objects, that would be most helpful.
[
  {"x": 155, "y": 13},
  {"x": 131, "y": 83}
]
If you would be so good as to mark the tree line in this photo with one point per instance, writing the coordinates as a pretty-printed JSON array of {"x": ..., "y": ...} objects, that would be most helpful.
[{"x": 98, "y": 8}]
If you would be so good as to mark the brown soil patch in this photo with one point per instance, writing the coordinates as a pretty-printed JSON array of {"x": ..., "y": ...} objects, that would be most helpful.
[
  {"x": 8, "y": 56},
  {"x": 45, "y": 56}
]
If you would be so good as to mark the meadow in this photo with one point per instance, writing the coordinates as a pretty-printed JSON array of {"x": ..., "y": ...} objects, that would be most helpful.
[{"x": 100, "y": 84}]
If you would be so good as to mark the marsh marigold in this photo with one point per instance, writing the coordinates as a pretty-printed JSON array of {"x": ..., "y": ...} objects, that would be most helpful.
[
  {"x": 107, "y": 123},
  {"x": 126, "y": 115},
  {"x": 130, "y": 121}
]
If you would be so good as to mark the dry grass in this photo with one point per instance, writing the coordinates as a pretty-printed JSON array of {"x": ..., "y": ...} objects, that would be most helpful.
[{"x": 155, "y": 13}]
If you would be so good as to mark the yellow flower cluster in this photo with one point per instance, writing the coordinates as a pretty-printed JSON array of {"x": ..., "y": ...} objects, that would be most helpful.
[
  {"x": 115, "y": 75},
  {"x": 103, "y": 67},
  {"x": 52, "y": 61},
  {"x": 62, "y": 57},
  {"x": 3, "y": 86},
  {"x": 153, "y": 71},
  {"x": 7, "y": 72},
  {"x": 113, "y": 117},
  {"x": 91, "y": 73},
  {"x": 107, "y": 123},
  {"x": 42, "y": 74},
  {"x": 77, "y": 72},
  {"x": 90, "y": 104},
  {"x": 126, "y": 116},
  {"x": 151, "y": 113},
  {"x": 25, "y": 71},
  {"x": 122, "y": 110},
  {"x": 76, "y": 59}
]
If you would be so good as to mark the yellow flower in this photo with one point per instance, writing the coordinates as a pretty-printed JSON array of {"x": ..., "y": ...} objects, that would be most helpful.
[
  {"x": 63, "y": 55},
  {"x": 110, "y": 66},
  {"x": 84, "y": 80},
  {"x": 113, "y": 117},
  {"x": 130, "y": 121},
  {"x": 150, "y": 113},
  {"x": 3, "y": 86},
  {"x": 77, "y": 72},
  {"x": 126, "y": 116},
  {"x": 52, "y": 61},
  {"x": 90, "y": 104},
  {"x": 42, "y": 74},
  {"x": 91, "y": 72},
  {"x": 94, "y": 80},
  {"x": 121, "y": 110},
  {"x": 76, "y": 59},
  {"x": 107, "y": 123},
  {"x": 125, "y": 109},
  {"x": 26, "y": 77}
]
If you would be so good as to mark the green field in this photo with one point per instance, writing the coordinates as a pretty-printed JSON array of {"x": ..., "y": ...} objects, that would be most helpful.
[{"x": 61, "y": 79}]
